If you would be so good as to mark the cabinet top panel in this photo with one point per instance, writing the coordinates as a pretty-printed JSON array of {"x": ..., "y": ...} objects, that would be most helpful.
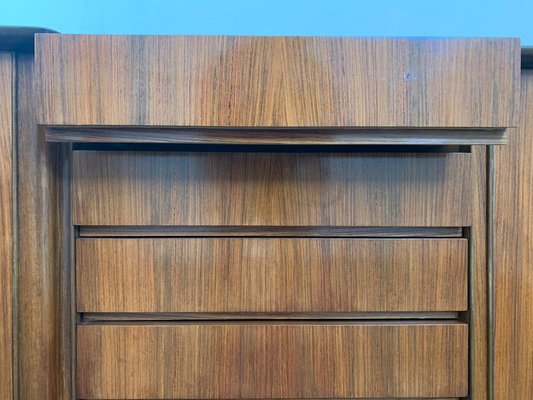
[{"x": 229, "y": 81}]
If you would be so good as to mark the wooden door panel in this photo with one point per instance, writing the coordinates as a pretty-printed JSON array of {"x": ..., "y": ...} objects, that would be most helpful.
[
  {"x": 239, "y": 361},
  {"x": 271, "y": 189},
  {"x": 254, "y": 275}
]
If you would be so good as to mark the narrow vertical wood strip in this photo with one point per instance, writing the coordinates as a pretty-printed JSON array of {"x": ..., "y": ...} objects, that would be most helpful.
[
  {"x": 513, "y": 256},
  {"x": 6, "y": 225},
  {"x": 36, "y": 291},
  {"x": 478, "y": 310},
  {"x": 43, "y": 356},
  {"x": 490, "y": 273},
  {"x": 61, "y": 165}
]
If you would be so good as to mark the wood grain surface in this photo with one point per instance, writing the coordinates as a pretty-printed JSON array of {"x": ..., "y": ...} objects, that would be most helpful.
[
  {"x": 6, "y": 224},
  {"x": 271, "y": 189},
  {"x": 36, "y": 336},
  {"x": 318, "y": 136},
  {"x": 43, "y": 337},
  {"x": 513, "y": 256},
  {"x": 478, "y": 315},
  {"x": 277, "y": 81},
  {"x": 298, "y": 360},
  {"x": 271, "y": 275}
]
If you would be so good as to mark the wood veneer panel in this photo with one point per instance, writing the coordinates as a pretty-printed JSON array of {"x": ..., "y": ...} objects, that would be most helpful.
[
  {"x": 306, "y": 360},
  {"x": 319, "y": 136},
  {"x": 44, "y": 336},
  {"x": 277, "y": 81},
  {"x": 513, "y": 256},
  {"x": 478, "y": 314},
  {"x": 271, "y": 275},
  {"x": 271, "y": 189},
  {"x": 6, "y": 224},
  {"x": 37, "y": 358}
]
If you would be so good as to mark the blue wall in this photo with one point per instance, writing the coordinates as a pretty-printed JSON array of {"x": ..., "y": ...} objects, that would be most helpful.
[{"x": 278, "y": 17}]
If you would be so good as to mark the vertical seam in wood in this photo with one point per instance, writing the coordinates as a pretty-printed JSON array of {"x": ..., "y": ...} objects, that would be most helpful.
[
  {"x": 14, "y": 211},
  {"x": 471, "y": 315},
  {"x": 72, "y": 268},
  {"x": 490, "y": 267}
]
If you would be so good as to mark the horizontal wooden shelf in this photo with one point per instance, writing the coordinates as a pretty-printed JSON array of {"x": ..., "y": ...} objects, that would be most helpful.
[{"x": 258, "y": 136}]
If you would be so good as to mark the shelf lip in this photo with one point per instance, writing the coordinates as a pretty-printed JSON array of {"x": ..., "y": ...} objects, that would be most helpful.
[{"x": 276, "y": 135}]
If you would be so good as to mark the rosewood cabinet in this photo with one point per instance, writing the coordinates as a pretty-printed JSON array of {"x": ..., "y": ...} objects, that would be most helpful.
[{"x": 200, "y": 217}]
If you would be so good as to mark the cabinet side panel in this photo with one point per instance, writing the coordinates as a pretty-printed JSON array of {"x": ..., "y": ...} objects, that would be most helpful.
[
  {"x": 513, "y": 256},
  {"x": 6, "y": 225}
]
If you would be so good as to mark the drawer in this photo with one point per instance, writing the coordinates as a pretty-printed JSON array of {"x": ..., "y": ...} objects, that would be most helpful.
[
  {"x": 277, "y": 81},
  {"x": 271, "y": 189},
  {"x": 231, "y": 275},
  {"x": 308, "y": 360}
]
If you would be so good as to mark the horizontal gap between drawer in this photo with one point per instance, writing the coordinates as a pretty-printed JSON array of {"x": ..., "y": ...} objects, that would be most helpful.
[
  {"x": 235, "y": 148},
  {"x": 278, "y": 322},
  {"x": 291, "y": 398},
  {"x": 267, "y": 231},
  {"x": 360, "y": 316},
  {"x": 274, "y": 136}
]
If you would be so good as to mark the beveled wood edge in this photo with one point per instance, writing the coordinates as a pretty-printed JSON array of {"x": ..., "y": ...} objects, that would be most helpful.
[
  {"x": 267, "y": 231},
  {"x": 262, "y": 322},
  {"x": 19, "y": 38},
  {"x": 490, "y": 273},
  {"x": 91, "y": 317},
  {"x": 278, "y": 136}
]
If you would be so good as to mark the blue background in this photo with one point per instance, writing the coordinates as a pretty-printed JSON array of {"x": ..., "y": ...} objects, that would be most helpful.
[{"x": 278, "y": 17}]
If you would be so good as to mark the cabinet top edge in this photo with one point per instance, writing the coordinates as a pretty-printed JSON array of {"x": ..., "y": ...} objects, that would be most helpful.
[{"x": 54, "y": 34}]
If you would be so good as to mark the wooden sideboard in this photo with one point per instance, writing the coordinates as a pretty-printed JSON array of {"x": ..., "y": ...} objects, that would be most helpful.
[{"x": 202, "y": 217}]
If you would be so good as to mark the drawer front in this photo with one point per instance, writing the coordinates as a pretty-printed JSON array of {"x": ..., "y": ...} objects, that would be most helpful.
[
  {"x": 271, "y": 275},
  {"x": 230, "y": 361},
  {"x": 271, "y": 189},
  {"x": 277, "y": 81}
]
